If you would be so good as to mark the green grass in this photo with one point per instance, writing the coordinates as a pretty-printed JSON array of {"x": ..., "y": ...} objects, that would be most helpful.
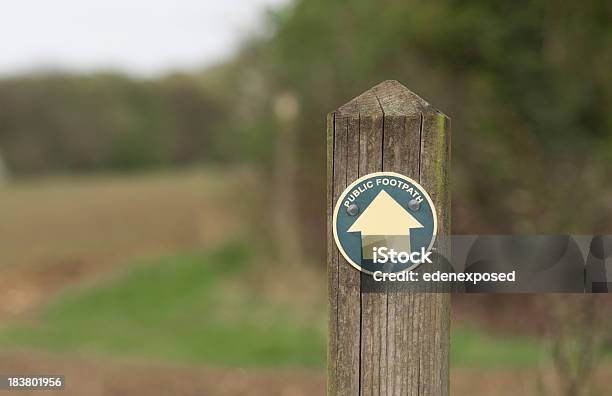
[
  {"x": 194, "y": 308},
  {"x": 183, "y": 308},
  {"x": 471, "y": 348}
]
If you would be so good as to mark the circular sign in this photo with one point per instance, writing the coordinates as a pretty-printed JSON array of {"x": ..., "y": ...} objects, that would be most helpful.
[{"x": 385, "y": 222}]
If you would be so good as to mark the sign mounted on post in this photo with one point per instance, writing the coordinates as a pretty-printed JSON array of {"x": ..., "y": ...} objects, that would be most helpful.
[{"x": 385, "y": 221}]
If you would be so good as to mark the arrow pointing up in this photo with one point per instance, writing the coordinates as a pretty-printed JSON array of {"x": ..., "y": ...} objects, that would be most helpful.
[
  {"x": 384, "y": 223},
  {"x": 385, "y": 216}
]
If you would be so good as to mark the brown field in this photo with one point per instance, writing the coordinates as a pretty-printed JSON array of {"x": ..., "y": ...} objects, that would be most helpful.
[
  {"x": 104, "y": 378},
  {"x": 101, "y": 378},
  {"x": 56, "y": 232}
]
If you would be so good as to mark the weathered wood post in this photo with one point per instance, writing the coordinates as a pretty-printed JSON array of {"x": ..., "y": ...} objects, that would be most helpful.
[
  {"x": 386, "y": 343},
  {"x": 287, "y": 108}
]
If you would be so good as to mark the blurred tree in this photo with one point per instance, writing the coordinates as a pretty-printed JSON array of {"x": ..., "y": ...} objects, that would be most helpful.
[
  {"x": 526, "y": 84},
  {"x": 52, "y": 123},
  {"x": 577, "y": 330}
]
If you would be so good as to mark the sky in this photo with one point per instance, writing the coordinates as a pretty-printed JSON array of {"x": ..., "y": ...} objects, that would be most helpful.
[{"x": 139, "y": 37}]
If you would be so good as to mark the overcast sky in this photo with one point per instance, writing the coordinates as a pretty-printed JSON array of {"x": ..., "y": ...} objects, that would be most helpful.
[{"x": 141, "y": 37}]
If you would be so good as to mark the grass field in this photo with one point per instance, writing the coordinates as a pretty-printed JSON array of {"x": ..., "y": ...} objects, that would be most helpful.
[
  {"x": 186, "y": 308},
  {"x": 203, "y": 308},
  {"x": 100, "y": 275}
]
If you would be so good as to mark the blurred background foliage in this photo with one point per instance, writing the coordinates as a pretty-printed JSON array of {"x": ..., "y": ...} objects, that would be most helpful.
[
  {"x": 67, "y": 123},
  {"x": 526, "y": 84}
]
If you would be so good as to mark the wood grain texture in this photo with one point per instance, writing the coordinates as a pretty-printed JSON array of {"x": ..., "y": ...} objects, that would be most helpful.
[{"x": 387, "y": 342}]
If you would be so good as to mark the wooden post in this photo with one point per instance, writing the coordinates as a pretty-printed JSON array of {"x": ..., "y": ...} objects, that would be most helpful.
[
  {"x": 286, "y": 107},
  {"x": 4, "y": 175},
  {"x": 386, "y": 343}
]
